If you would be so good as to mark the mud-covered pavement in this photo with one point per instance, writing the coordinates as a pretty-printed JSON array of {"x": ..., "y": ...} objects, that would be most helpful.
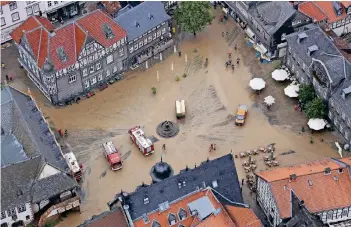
[{"x": 212, "y": 95}]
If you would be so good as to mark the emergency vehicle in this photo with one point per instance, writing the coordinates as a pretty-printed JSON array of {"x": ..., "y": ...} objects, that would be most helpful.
[
  {"x": 139, "y": 138},
  {"x": 112, "y": 156},
  {"x": 76, "y": 169}
]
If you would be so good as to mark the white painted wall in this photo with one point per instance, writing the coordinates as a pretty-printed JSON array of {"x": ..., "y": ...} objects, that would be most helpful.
[
  {"x": 333, "y": 216},
  {"x": 48, "y": 171},
  {"x": 26, "y": 216},
  {"x": 343, "y": 29}
]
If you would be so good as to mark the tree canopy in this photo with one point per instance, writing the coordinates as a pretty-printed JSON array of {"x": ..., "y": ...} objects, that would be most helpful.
[
  {"x": 193, "y": 16},
  {"x": 316, "y": 108},
  {"x": 306, "y": 94}
]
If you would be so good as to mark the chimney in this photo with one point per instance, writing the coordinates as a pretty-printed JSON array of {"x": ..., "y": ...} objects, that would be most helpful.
[
  {"x": 137, "y": 24},
  {"x": 150, "y": 16},
  {"x": 336, "y": 178},
  {"x": 293, "y": 177}
]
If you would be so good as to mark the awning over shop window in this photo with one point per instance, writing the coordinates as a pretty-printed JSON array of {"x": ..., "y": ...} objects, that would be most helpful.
[
  {"x": 225, "y": 10},
  {"x": 249, "y": 33}
]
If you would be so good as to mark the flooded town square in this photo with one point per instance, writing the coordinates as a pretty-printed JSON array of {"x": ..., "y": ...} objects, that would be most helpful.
[{"x": 212, "y": 95}]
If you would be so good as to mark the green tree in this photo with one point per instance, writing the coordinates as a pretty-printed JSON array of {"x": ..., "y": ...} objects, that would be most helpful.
[
  {"x": 316, "y": 108},
  {"x": 194, "y": 16},
  {"x": 306, "y": 94}
]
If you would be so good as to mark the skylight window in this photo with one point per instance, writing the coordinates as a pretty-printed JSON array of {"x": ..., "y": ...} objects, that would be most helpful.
[{"x": 106, "y": 28}]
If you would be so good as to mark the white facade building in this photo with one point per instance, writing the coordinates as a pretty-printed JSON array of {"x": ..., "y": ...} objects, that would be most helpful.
[{"x": 23, "y": 213}]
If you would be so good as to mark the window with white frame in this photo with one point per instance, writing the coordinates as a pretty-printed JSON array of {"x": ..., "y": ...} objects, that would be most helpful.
[
  {"x": 141, "y": 44},
  {"x": 108, "y": 73},
  {"x": 13, "y": 5},
  {"x": 131, "y": 49},
  {"x": 91, "y": 69},
  {"x": 122, "y": 41},
  {"x": 114, "y": 69},
  {"x": 109, "y": 59},
  {"x": 86, "y": 84},
  {"x": 93, "y": 80},
  {"x": 158, "y": 34},
  {"x": 11, "y": 212},
  {"x": 15, "y": 17},
  {"x": 135, "y": 46},
  {"x": 121, "y": 52},
  {"x": 154, "y": 36},
  {"x": 72, "y": 78},
  {"x": 21, "y": 208},
  {"x": 100, "y": 77},
  {"x": 55, "y": 2},
  {"x": 98, "y": 66},
  {"x": 36, "y": 8},
  {"x": 85, "y": 72},
  {"x": 3, "y": 215},
  {"x": 3, "y": 21},
  {"x": 150, "y": 38},
  {"x": 49, "y": 5},
  {"x": 163, "y": 31},
  {"x": 29, "y": 10},
  {"x": 145, "y": 41}
]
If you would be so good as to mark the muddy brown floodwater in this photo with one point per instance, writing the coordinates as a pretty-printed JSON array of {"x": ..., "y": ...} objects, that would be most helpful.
[{"x": 212, "y": 96}]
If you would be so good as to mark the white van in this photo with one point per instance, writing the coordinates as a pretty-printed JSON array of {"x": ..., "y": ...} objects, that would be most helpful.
[{"x": 180, "y": 109}]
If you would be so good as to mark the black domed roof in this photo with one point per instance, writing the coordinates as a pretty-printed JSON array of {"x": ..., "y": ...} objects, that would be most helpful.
[{"x": 161, "y": 171}]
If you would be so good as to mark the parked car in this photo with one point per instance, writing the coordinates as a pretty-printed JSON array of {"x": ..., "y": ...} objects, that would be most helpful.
[{"x": 241, "y": 115}]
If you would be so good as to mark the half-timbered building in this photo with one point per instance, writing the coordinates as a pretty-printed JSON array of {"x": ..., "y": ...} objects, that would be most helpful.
[{"x": 71, "y": 60}]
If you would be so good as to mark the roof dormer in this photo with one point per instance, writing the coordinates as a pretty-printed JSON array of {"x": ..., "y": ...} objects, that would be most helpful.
[
  {"x": 301, "y": 37},
  {"x": 311, "y": 50}
]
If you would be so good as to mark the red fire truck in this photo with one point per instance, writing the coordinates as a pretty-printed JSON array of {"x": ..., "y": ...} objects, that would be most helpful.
[
  {"x": 112, "y": 156},
  {"x": 139, "y": 138}
]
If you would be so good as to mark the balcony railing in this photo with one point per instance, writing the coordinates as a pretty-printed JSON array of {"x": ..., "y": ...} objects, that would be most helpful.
[{"x": 59, "y": 208}]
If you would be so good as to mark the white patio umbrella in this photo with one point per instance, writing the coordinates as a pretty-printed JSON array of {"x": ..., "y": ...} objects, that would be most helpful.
[
  {"x": 316, "y": 124},
  {"x": 269, "y": 100},
  {"x": 257, "y": 84},
  {"x": 292, "y": 91},
  {"x": 279, "y": 75}
]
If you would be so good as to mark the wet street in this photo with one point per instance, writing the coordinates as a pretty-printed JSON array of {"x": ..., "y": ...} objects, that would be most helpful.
[{"x": 212, "y": 95}]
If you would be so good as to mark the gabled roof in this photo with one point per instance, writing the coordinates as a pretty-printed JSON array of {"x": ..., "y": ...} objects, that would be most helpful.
[
  {"x": 38, "y": 41},
  {"x": 273, "y": 13},
  {"x": 319, "y": 191},
  {"x": 328, "y": 9},
  {"x": 40, "y": 140},
  {"x": 313, "y": 11},
  {"x": 93, "y": 25},
  {"x": 147, "y": 15},
  {"x": 20, "y": 183},
  {"x": 222, "y": 170},
  {"x": 112, "y": 218},
  {"x": 346, "y": 4},
  {"x": 30, "y": 24},
  {"x": 11, "y": 150}
]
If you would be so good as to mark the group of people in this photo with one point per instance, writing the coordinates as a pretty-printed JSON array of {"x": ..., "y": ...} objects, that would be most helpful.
[
  {"x": 212, "y": 147},
  {"x": 229, "y": 62}
]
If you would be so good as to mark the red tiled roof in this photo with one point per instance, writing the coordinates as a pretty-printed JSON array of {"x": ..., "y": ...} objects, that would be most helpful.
[
  {"x": 328, "y": 9},
  {"x": 43, "y": 52},
  {"x": 346, "y": 160},
  {"x": 114, "y": 219},
  {"x": 319, "y": 192},
  {"x": 30, "y": 24},
  {"x": 92, "y": 23},
  {"x": 311, "y": 10},
  {"x": 243, "y": 217},
  {"x": 346, "y": 4},
  {"x": 64, "y": 38},
  {"x": 80, "y": 37}
]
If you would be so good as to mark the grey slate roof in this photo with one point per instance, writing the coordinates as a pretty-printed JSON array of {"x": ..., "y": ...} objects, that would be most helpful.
[
  {"x": 344, "y": 104},
  {"x": 221, "y": 170},
  {"x": 11, "y": 150},
  {"x": 5, "y": 96},
  {"x": 140, "y": 14},
  {"x": 39, "y": 130},
  {"x": 124, "y": 10},
  {"x": 274, "y": 13},
  {"x": 327, "y": 51},
  {"x": 19, "y": 183}
]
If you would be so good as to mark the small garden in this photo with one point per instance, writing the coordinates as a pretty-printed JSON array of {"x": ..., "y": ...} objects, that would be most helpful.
[{"x": 313, "y": 106}]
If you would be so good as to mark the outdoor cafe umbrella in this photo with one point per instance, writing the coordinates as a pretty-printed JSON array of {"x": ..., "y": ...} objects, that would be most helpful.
[
  {"x": 292, "y": 91},
  {"x": 269, "y": 100},
  {"x": 279, "y": 75},
  {"x": 316, "y": 124},
  {"x": 257, "y": 84}
]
